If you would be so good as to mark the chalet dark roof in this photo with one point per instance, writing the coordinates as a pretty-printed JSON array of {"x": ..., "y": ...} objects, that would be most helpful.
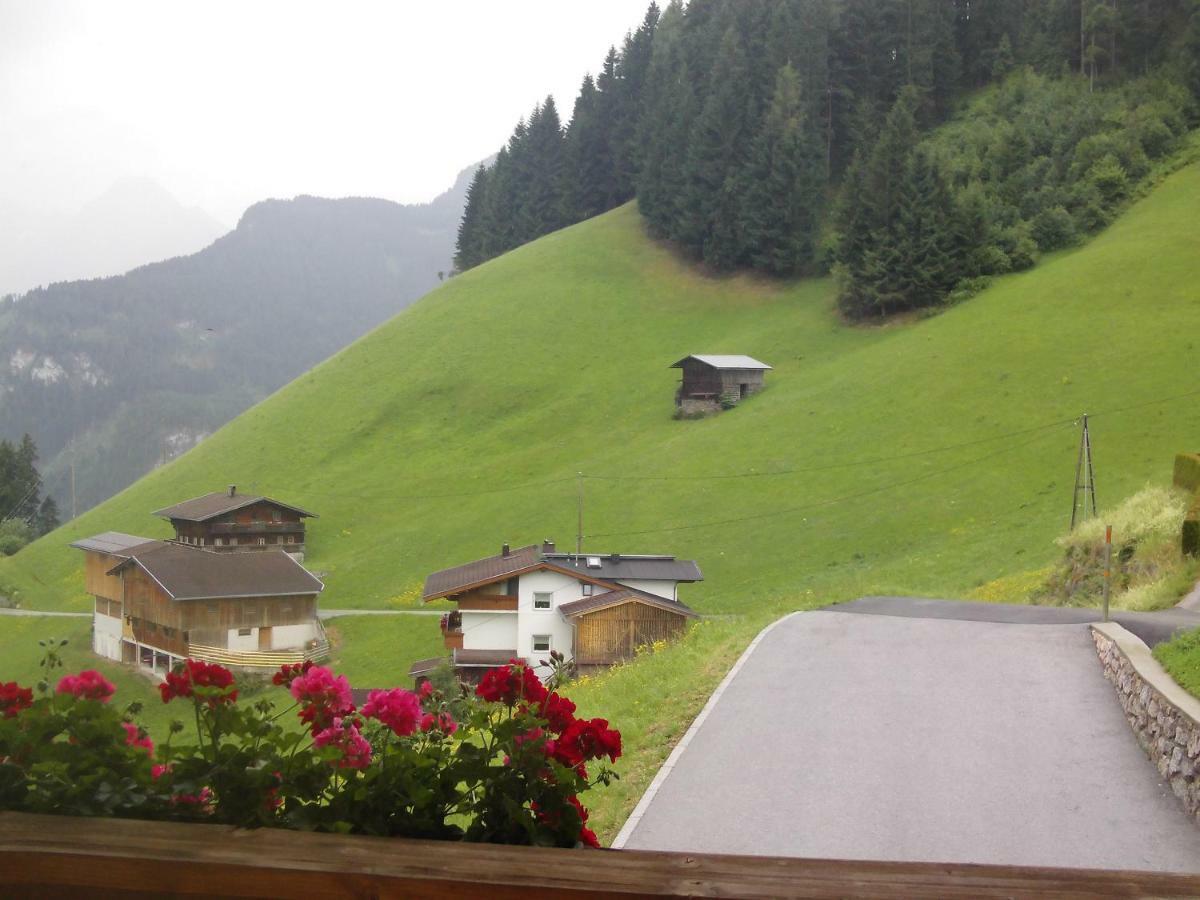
[
  {"x": 114, "y": 543},
  {"x": 603, "y": 567},
  {"x": 624, "y": 595},
  {"x": 420, "y": 667},
  {"x": 623, "y": 567},
  {"x": 201, "y": 509},
  {"x": 722, "y": 362},
  {"x": 483, "y": 657},
  {"x": 191, "y": 573},
  {"x": 481, "y": 571}
]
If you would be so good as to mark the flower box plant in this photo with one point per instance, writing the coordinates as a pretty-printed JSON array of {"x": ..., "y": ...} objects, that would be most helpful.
[{"x": 504, "y": 763}]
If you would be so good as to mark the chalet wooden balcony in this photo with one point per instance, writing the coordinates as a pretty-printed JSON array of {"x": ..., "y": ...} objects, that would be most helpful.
[
  {"x": 487, "y": 603},
  {"x": 257, "y": 528},
  {"x": 65, "y": 856},
  {"x": 258, "y": 659}
]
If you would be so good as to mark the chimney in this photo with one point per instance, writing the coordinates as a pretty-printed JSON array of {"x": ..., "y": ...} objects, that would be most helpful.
[
  {"x": 547, "y": 546},
  {"x": 504, "y": 550},
  {"x": 233, "y": 490}
]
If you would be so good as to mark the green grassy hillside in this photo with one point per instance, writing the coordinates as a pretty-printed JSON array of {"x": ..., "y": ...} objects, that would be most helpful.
[
  {"x": 462, "y": 422},
  {"x": 927, "y": 457}
]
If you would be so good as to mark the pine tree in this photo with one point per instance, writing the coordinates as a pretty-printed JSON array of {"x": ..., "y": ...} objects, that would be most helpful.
[
  {"x": 469, "y": 247},
  {"x": 586, "y": 158},
  {"x": 46, "y": 519},
  {"x": 542, "y": 209},
  {"x": 782, "y": 196},
  {"x": 633, "y": 67},
  {"x": 715, "y": 153}
]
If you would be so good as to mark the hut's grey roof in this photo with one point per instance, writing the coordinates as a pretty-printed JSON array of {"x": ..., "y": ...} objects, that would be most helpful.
[
  {"x": 114, "y": 543},
  {"x": 191, "y": 573},
  {"x": 201, "y": 509},
  {"x": 484, "y": 657},
  {"x": 624, "y": 595},
  {"x": 723, "y": 362}
]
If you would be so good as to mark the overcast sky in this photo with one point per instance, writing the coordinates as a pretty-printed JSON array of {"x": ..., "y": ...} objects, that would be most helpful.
[{"x": 225, "y": 103}]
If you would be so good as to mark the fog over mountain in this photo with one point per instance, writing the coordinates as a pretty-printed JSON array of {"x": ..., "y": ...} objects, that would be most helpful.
[
  {"x": 120, "y": 374},
  {"x": 136, "y": 221}
]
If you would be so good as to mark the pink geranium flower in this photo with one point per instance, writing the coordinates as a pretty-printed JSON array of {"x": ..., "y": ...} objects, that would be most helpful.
[
  {"x": 398, "y": 709},
  {"x": 87, "y": 685}
]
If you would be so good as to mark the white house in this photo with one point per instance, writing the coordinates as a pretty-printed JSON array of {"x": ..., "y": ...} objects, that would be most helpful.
[{"x": 525, "y": 603}]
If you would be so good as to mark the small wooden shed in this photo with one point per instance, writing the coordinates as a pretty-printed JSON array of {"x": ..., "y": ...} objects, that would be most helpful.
[{"x": 710, "y": 382}]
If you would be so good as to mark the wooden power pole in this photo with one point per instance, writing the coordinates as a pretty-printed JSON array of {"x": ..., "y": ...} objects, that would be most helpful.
[{"x": 1085, "y": 478}]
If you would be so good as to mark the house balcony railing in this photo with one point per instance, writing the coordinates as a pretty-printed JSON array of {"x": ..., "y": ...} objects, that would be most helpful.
[
  {"x": 257, "y": 528},
  {"x": 315, "y": 650}
]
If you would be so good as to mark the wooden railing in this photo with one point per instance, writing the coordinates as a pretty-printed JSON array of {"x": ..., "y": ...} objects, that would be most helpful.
[
  {"x": 60, "y": 856},
  {"x": 487, "y": 602},
  {"x": 257, "y": 659}
]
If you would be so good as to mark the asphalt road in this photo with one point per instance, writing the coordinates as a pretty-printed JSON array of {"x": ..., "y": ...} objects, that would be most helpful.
[{"x": 887, "y": 737}]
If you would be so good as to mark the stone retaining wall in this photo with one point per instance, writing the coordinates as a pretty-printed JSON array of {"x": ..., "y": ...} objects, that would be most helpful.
[{"x": 1165, "y": 718}]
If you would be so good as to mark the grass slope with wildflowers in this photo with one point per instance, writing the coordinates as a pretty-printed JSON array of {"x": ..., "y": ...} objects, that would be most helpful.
[{"x": 929, "y": 456}]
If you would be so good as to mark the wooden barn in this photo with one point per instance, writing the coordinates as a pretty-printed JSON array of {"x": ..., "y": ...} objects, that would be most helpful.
[
  {"x": 157, "y": 602},
  {"x": 228, "y": 520},
  {"x": 710, "y": 383}
]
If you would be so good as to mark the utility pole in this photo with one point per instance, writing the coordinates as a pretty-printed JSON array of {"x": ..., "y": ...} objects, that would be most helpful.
[
  {"x": 1085, "y": 477},
  {"x": 579, "y": 522},
  {"x": 74, "y": 511}
]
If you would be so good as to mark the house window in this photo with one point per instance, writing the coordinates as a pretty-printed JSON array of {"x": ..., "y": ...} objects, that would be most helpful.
[
  {"x": 587, "y": 589},
  {"x": 245, "y": 632},
  {"x": 541, "y": 600},
  {"x": 290, "y": 539},
  {"x": 541, "y": 643},
  {"x": 275, "y": 516},
  {"x": 262, "y": 542},
  {"x": 219, "y": 542}
]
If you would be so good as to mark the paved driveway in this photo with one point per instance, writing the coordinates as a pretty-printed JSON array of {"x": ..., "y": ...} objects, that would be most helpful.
[{"x": 859, "y": 736}]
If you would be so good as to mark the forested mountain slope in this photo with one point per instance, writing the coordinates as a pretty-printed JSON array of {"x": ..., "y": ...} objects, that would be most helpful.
[
  {"x": 919, "y": 457},
  {"x": 117, "y": 375}
]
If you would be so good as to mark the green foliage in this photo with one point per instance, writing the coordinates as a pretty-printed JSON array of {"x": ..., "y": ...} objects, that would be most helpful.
[
  {"x": 1145, "y": 553},
  {"x": 1053, "y": 228},
  {"x": 1186, "y": 473},
  {"x": 1180, "y": 656},
  {"x": 14, "y": 534}
]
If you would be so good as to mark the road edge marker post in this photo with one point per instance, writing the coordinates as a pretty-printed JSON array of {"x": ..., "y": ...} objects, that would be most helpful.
[{"x": 1107, "y": 566}]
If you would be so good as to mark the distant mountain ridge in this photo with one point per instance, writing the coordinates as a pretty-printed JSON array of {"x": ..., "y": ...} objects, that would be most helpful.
[
  {"x": 136, "y": 221},
  {"x": 120, "y": 374}
]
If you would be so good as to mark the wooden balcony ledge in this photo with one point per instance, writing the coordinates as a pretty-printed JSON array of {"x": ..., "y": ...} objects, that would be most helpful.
[{"x": 59, "y": 856}]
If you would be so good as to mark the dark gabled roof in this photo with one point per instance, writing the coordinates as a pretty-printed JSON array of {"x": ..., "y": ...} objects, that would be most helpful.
[
  {"x": 420, "y": 667},
  {"x": 722, "y": 362},
  {"x": 484, "y": 657},
  {"x": 480, "y": 572},
  {"x": 191, "y": 573},
  {"x": 114, "y": 543},
  {"x": 596, "y": 602},
  {"x": 611, "y": 567},
  {"x": 201, "y": 509},
  {"x": 620, "y": 567}
]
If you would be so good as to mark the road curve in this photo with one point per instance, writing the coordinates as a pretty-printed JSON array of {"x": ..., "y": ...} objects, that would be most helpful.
[{"x": 858, "y": 736}]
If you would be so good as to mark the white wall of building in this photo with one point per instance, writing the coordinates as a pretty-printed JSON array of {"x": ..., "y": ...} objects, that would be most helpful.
[
  {"x": 562, "y": 589},
  {"x": 288, "y": 637},
  {"x": 106, "y": 636},
  {"x": 489, "y": 631},
  {"x": 657, "y": 588},
  {"x": 243, "y": 641}
]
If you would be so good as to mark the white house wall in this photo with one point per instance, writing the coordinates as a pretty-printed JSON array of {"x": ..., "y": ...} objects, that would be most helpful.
[
  {"x": 489, "y": 631},
  {"x": 106, "y": 636},
  {"x": 563, "y": 589},
  {"x": 243, "y": 641},
  {"x": 657, "y": 588},
  {"x": 288, "y": 637}
]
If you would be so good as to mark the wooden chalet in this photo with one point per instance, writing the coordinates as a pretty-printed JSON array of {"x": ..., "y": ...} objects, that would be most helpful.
[
  {"x": 231, "y": 521},
  {"x": 524, "y": 603},
  {"x": 709, "y": 383},
  {"x": 158, "y": 602}
]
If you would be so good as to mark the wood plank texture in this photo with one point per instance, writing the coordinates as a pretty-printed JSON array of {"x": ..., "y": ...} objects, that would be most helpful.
[{"x": 53, "y": 856}]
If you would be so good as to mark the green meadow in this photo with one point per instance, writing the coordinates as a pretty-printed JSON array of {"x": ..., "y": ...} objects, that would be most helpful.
[{"x": 929, "y": 456}]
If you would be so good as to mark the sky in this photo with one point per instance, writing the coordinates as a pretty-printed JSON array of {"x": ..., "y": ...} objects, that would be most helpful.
[{"x": 227, "y": 103}]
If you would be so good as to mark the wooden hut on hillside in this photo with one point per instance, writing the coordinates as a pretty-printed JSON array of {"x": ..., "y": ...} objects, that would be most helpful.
[{"x": 710, "y": 383}]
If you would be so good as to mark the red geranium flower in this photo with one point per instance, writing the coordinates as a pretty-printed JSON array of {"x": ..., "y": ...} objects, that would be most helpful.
[
  {"x": 510, "y": 683},
  {"x": 558, "y": 711},
  {"x": 322, "y": 697},
  {"x": 14, "y": 698},
  {"x": 177, "y": 684},
  {"x": 398, "y": 709},
  {"x": 288, "y": 671},
  {"x": 442, "y": 722},
  {"x": 135, "y": 738},
  {"x": 199, "y": 674},
  {"x": 585, "y": 739},
  {"x": 356, "y": 752},
  {"x": 87, "y": 685}
]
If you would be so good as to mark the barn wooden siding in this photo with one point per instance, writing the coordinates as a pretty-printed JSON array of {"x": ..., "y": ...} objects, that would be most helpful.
[
  {"x": 95, "y": 578},
  {"x": 702, "y": 380},
  {"x": 615, "y": 633}
]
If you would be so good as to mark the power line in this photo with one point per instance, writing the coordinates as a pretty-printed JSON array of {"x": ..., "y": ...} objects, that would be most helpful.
[{"x": 824, "y": 503}]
